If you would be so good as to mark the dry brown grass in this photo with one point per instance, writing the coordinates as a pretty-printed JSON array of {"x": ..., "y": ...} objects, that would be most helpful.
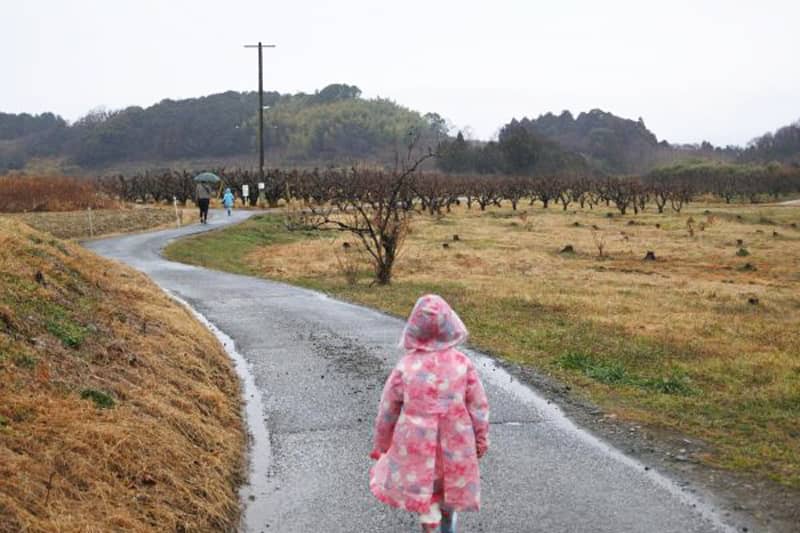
[
  {"x": 76, "y": 332},
  {"x": 49, "y": 193},
  {"x": 104, "y": 222},
  {"x": 696, "y": 284}
]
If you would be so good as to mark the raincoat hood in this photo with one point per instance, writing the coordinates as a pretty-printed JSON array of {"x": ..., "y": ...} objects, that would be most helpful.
[
  {"x": 433, "y": 326},
  {"x": 227, "y": 191}
]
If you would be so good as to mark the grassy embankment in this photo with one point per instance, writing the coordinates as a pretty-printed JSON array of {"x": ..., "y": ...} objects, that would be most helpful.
[
  {"x": 104, "y": 222},
  {"x": 118, "y": 410},
  {"x": 703, "y": 341}
]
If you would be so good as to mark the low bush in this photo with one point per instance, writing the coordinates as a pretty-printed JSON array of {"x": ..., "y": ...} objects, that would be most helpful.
[{"x": 19, "y": 194}]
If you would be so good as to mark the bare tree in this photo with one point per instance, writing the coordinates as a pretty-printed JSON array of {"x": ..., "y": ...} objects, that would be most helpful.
[
  {"x": 622, "y": 191},
  {"x": 370, "y": 205},
  {"x": 546, "y": 189}
]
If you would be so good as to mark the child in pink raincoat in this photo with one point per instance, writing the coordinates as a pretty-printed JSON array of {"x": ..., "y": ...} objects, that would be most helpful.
[{"x": 433, "y": 422}]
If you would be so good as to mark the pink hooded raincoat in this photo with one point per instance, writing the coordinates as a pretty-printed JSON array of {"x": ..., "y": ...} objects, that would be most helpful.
[{"x": 433, "y": 419}]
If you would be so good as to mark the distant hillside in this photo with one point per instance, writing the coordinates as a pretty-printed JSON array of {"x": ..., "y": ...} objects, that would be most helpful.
[
  {"x": 517, "y": 151},
  {"x": 610, "y": 143},
  {"x": 783, "y": 146},
  {"x": 23, "y": 136},
  {"x": 334, "y": 124},
  {"x": 337, "y": 126}
]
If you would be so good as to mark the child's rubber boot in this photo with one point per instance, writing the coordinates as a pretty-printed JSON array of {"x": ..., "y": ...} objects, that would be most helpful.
[
  {"x": 430, "y": 528},
  {"x": 448, "y": 522}
]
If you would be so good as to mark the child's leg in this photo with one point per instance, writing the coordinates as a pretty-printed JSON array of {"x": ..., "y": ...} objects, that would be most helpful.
[
  {"x": 448, "y": 521},
  {"x": 430, "y": 520}
]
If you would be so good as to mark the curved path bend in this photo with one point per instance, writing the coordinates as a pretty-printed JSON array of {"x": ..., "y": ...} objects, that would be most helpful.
[{"x": 318, "y": 367}]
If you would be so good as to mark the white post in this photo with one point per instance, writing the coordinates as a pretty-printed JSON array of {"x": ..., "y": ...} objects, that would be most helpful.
[
  {"x": 91, "y": 224},
  {"x": 177, "y": 216}
]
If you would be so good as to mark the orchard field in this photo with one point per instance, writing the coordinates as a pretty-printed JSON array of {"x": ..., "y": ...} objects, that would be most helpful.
[{"x": 700, "y": 341}]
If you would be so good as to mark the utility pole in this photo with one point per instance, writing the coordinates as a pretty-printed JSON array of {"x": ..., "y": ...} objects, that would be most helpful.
[{"x": 260, "y": 105}]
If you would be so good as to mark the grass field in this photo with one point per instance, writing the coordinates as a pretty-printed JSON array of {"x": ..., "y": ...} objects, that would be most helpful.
[
  {"x": 76, "y": 224},
  {"x": 704, "y": 341},
  {"x": 118, "y": 410}
]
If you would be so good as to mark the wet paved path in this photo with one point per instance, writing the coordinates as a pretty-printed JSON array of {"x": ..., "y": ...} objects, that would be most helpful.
[{"x": 319, "y": 366}]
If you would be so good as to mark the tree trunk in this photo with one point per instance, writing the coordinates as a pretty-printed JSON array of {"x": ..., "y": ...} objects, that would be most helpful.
[
  {"x": 383, "y": 274},
  {"x": 383, "y": 266}
]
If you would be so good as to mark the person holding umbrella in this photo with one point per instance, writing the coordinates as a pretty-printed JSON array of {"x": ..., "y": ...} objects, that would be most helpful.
[{"x": 203, "y": 192}]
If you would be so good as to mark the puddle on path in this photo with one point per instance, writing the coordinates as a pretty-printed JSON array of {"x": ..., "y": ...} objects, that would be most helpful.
[{"x": 259, "y": 456}]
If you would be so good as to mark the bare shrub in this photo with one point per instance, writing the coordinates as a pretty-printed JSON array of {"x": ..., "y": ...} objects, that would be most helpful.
[
  {"x": 296, "y": 216},
  {"x": 690, "y": 222},
  {"x": 600, "y": 242},
  {"x": 350, "y": 261}
]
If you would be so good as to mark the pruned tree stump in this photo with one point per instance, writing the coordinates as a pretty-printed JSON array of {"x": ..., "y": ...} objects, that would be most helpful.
[
  {"x": 658, "y": 226},
  {"x": 739, "y": 242},
  {"x": 576, "y": 224},
  {"x": 445, "y": 245},
  {"x": 748, "y": 267},
  {"x": 594, "y": 227},
  {"x": 456, "y": 238},
  {"x": 568, "y": 249},
  {"x": 752, "y": 300},
  {"x": 776, "y": 234},
  {"x": 346, "y": 245},
  {"x": 650, "y": 256}
]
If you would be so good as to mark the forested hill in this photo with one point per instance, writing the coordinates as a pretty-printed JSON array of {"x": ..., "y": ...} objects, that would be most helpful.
[
  {"x": 783, "y": 146},
  {"x": 611, "y": 143},
  {"x": 334, "y": 124},
  {"x": 337, "y": 126}
]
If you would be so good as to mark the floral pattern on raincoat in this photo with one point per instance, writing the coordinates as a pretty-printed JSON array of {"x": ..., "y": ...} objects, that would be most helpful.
[{"x": 433, "y": 419}]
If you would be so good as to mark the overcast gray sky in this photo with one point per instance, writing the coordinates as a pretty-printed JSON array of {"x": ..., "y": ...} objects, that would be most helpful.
[{"x": 724, "y": 71}]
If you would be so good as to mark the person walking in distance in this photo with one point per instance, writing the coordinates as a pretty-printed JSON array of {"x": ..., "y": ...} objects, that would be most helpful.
[
  {"x": 433, "y": 422},
  {"x": 203, "y": 194},
  {"x": 227, "y": 201}
]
